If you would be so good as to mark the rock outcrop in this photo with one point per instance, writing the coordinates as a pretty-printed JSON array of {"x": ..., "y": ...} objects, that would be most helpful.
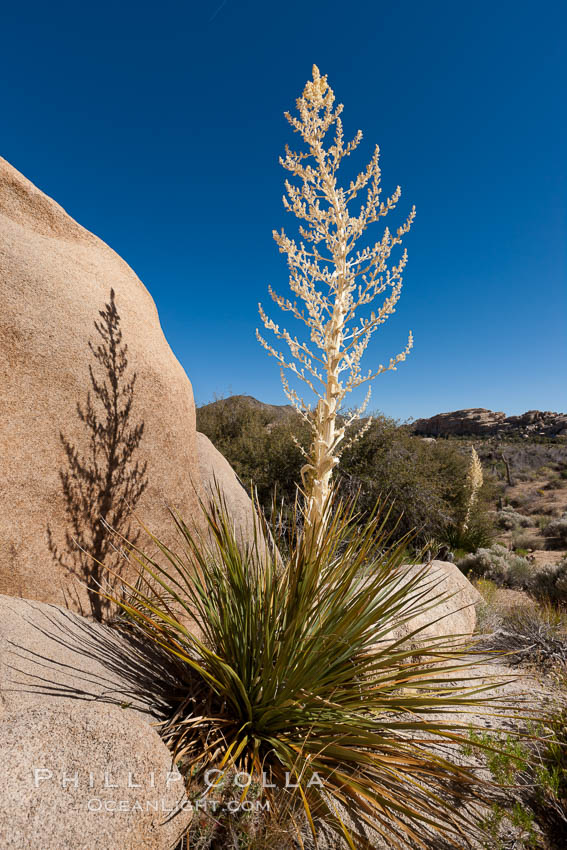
[
  {"x": 87, "y": 777},
  {"x": 55, "y": 278},
  {"x": 52, "y": 656},
  {"x": 453, "y": 599},
  {"x": 78, "y": 698},
  {"x": 479, "y": 421},
  {"x": 216, "y": 472}
]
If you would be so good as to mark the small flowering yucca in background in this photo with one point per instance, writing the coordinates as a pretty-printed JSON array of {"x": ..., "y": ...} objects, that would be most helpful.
[
  {"x": 472, "y": 530},
  {"x": 334, "y": 282},
  {"x": 474, "y": 482}
]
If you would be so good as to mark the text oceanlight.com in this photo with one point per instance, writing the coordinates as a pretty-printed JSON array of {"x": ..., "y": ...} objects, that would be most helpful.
[{"x": 100, "y": 788}]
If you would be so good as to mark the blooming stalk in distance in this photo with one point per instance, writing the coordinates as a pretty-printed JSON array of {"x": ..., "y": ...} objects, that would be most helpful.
[
  {"x": 335, "y": 279},
  {"x": 474, "y": 483}
]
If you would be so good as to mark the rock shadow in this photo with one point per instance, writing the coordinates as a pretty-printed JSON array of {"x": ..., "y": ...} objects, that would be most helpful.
[
  {"x": 51, "y": 653},
  {"x": 102, "y": 481}
]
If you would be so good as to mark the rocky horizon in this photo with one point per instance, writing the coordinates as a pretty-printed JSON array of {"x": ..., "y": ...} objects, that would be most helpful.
[
  {"x": 479, "y": 421},
  {"x": 472, "y": 421}
]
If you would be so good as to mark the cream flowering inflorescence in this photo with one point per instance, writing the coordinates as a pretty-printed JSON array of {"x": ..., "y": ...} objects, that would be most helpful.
[
  {"x": 333, "y": 281},
  {"x": 475, "y": 481}
]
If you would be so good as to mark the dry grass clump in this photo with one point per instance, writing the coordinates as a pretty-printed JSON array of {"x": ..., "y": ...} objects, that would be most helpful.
[
  {"x": 533, "y": 634},
  {"x": 525, "y": 540},
  {"x": 232, "y": 817}
]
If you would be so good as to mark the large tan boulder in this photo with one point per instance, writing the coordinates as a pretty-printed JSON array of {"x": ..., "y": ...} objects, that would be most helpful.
[
  {"x": 52, "y": 656},
  {"x": 78, "y": 701},
  {"x": 87, "y": 777},
  {"x": 218, "y": 475},
  {"x": 440, "y": 610},
  {"x": 55, "y": 277}
]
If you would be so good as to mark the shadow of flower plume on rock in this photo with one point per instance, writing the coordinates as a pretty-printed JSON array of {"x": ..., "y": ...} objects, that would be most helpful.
[{"x": 102, "y": 485}]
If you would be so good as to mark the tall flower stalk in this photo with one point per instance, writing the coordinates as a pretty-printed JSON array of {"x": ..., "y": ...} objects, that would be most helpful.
[
  {"x": 335, "y": 280},
  {"x": 474, "y": 483}
]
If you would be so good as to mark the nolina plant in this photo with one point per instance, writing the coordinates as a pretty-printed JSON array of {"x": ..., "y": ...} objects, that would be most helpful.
[
  {"x": 308, "y": 664},
  {"x": 334, "y": 281},
  {"x": 474, "y": 483},
  {"x": 472, "y": 530},
  {"x": 310, "y": 669}
]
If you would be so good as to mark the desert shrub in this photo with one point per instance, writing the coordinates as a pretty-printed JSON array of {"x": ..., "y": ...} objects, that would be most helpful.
[
  {"x": 509, "y": 519},
  {"x": 528, "y": 502},
  {"x": 549, "y": 584},
  {"x": 523, "y": 540},
  {"x": 555, "y": 484},
  {"x": 488, "y": 563},
  {"x": 550, "y": 804},
  {"x": 556, "y": 533},
  {"x": 421, "y": 480},
  {"x": 284, "y": 679},
  {"x": 520, "y": 572},
  {"x": 260, "y": 446},
  {"x": 508, "y": 821},
  {"x": 497, "y": 564},
  {"x": 425, "y": 483}
]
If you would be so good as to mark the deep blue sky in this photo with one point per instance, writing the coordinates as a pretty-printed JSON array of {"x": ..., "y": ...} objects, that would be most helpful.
[{"x": 159, "y": 126}]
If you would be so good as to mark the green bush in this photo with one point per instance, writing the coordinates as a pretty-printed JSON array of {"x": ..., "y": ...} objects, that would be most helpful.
[
  {"x": 262, "y": 447},
  {"x": 531, "y": 811},
  {"x": 556, "y": 533},
  {"x": 549, "y": 584},
  {"x": 425, "y": 482},
  {"x": 499, "y": 565}
]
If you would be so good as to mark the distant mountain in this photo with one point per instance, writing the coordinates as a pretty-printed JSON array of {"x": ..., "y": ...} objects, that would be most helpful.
[
  {"x": 478, "y": 421},
  {"x": 275, "y": 412}
]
